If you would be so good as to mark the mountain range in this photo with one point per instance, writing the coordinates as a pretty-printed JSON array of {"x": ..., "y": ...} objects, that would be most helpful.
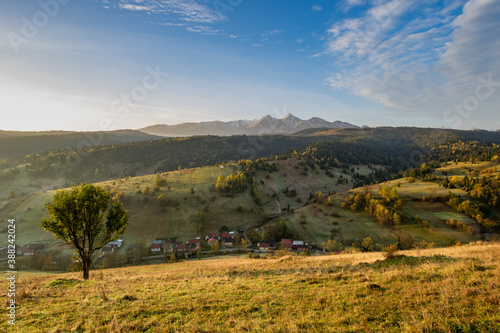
[{"x": 266, "y": 125}]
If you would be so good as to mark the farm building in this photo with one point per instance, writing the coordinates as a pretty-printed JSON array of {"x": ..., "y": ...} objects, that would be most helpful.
[
  {"x": 25, "y": 251},
  {"x": 116, "y": 244},
  {"x": 181, "y": 247},
  {"x": 212, "y": 241},
  {"x": 264, "y": 246},
  {"x": 156, "y": 248},
  {"x": 227, "y": 241},
  {"x": 108, "y": 249},
  {"x": 286, "y": 244},
  {"x": 215, "y": 235}
]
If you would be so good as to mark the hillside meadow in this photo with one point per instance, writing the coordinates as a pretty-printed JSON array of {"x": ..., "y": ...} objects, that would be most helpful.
[
  {"x": 187, "y": 193},
  {"x": 434, "y": 290}
]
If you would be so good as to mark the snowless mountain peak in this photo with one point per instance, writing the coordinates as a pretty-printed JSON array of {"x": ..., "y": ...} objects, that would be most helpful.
[{"x": 265, "y": 125}]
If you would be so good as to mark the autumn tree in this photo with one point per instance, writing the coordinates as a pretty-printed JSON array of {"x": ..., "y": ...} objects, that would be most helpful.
[
  {"x": 86, "y": 218},
  {"x": 367, "y": 245}
]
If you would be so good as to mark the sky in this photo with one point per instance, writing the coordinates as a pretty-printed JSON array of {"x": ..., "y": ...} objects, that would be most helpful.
[{"x": 127, "y": 64}]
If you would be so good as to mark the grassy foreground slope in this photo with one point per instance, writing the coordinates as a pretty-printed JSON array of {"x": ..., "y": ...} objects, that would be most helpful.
[{"x": 434, "y": 290}]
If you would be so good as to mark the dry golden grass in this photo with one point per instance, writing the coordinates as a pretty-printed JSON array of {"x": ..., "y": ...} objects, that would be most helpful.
[{"x": 432, "y": 290}]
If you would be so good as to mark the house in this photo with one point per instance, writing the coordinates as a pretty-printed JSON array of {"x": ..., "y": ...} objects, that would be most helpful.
[
  {"x": 196, "y": 249},
  {"x": 227, "y": 241},
  {"x": 212, "y": 241},
  {"x": 225, "y": 235},
  {"x": 135, "y": 247},
  {"x": 26, "y": 251},
  {"x": 158, "y": 241},
  {"x": 286, "y": 244},
  {"x": 264, "y": 246},
  {"x": 193, "y": 242},
  {"x": 215, "y": 235},
  {"x": 116, "y": 244},
  {"x": 156, "y": 248},
  {"x": 301, "y": 247},
  {"x": 108, "y": 249},
  {"x": 181, "y": 247}
]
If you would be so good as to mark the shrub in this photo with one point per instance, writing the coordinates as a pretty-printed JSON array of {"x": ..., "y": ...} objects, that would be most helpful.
[
  {"x": 423, "y": 245},
  {"x": 367, "y": 245},
  {"x": 390, "y": 251}
]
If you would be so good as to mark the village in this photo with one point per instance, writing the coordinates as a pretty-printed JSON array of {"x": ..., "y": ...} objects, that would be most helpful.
[{"x": 213, "y": 243}]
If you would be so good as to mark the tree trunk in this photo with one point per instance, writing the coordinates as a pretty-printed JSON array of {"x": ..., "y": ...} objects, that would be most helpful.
[{"x": 86, "y": 268}]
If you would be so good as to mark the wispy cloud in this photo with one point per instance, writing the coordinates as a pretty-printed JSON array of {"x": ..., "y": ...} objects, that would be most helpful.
[
  {"x": 135, "y": 7},
  {"x": 195, "y": 11},
  {"x": 349, "y": 4},
  {"x": 205, "y": 30},
  {"x": 419, "y": 62},
  {"x": 317, "y": 8},
  {"x": 272, "y": 33},
  {"x": 268, "y": 35}
]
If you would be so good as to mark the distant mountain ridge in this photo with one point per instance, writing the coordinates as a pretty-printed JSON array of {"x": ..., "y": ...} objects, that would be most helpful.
[{"x": 266, "y": 125}]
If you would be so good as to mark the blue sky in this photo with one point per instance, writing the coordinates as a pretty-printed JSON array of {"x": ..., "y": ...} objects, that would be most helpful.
[{"x": 90, "y": 65}]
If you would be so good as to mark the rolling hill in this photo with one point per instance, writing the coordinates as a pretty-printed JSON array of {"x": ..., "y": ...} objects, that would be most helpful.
[
  {"x": 307, "y": 187},
  {"x": 288, "y": 193}
]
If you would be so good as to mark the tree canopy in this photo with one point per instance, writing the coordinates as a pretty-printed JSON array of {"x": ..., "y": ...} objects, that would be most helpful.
[{"x": 86, "y": 218}]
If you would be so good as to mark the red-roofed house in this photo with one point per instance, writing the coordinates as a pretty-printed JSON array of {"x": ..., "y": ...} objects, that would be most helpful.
[
  {"x": 263, "y": 246},
  {"x": 215, "y": 235},
  {"x": 25, "y": 251},
  {"x": 225, "y": 235},
  {"x": 181, "y": 247},
  {"x": 286, "y": 244},
  {"x": 212, "y": 240},
  {"x": 156, "y": 248},
  {"x": 195, "y": 242}
]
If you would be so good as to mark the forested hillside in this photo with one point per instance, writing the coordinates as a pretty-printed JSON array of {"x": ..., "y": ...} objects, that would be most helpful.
[
  {"x": 396, "y": 149},
  {"x": 20, "y": 144}
]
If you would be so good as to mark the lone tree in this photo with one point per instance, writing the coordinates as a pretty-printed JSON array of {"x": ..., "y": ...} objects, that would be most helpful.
[{"x": 86, "y": 218}]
